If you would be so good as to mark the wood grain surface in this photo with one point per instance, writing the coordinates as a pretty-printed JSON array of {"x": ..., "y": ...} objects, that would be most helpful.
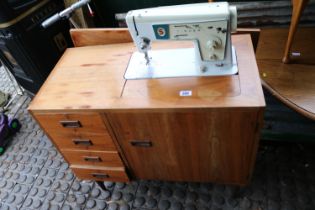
[
  {"x": 91, "y": 78},
  {"x": 92, "y": 158},
  {"x": 292, "y": 83},
  {"x": 210, "y": 136},
  {"x": 98, "y": 142},
  {"x": 101, "y": 36},
  {"x": 116, "y": 174},
  {"x": 90, "y": 123},
  {"x": 202, "y": 145}
]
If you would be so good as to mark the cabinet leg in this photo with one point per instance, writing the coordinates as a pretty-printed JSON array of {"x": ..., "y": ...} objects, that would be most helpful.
[{"x": 101, "y": 185}]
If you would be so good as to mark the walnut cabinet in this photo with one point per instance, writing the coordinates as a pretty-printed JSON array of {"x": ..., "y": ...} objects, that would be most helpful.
[{"x": 109, "y": 128}]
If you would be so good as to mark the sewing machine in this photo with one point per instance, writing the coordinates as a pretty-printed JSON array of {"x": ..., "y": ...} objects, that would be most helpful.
[{"x": 208, "y": 25}]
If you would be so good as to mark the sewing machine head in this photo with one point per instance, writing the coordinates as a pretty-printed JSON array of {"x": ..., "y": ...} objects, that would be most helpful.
[{"x": 208, "y": 25}]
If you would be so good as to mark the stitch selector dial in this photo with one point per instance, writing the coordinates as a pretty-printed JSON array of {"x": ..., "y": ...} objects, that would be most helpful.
[{"x": 213, "y": 44}]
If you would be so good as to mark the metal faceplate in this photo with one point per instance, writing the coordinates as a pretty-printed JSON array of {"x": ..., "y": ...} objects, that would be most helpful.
[
  {"x": 175, "y": 63},
  {"x": 211, "y": 36}
]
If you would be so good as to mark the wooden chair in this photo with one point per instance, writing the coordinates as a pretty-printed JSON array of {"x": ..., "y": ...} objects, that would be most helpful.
[{"x": 298, "y": 7}]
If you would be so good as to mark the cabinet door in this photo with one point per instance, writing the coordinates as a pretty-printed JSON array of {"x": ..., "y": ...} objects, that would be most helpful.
[{"x": 217, "y": 145}]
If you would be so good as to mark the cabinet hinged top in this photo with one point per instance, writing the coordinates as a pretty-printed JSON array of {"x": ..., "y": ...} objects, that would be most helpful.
[{"x": 92, "y": 78}]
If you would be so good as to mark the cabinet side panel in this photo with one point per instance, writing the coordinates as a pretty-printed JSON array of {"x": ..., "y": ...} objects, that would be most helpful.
[{"x": 255, "y": 143}]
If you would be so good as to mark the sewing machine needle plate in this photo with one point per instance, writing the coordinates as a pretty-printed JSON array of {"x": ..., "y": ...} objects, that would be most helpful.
[{"x": 173, "y": 63}]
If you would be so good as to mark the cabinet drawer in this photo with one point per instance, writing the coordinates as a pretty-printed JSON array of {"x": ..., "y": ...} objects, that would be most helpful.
[
  {"x": 101, "y": 142},
  {"x": 92, "y": 158},
  {"x": 100, "y": 174},
  {"x": 72, "y": 123}
]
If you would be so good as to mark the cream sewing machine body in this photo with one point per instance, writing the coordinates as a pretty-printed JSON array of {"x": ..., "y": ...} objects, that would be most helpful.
[{"x": 208, "y": 25}]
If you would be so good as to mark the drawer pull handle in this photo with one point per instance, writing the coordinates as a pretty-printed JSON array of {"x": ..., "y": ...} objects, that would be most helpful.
[
  {"x": 141, "y": 143},
  {"x": 92, "y": 159},
  {"x": 70, "y": 123},
  {"x": 100, "y": 176},
  {"x": 85, "y": 142}
]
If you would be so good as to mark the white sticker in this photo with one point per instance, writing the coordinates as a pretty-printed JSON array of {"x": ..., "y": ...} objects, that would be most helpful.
[
  {"x": 296, "y": 54},
  {"x": 185, "y": 93}
]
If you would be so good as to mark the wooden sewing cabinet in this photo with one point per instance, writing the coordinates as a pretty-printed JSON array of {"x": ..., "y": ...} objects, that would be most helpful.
[{"x": 109, "y": 128}]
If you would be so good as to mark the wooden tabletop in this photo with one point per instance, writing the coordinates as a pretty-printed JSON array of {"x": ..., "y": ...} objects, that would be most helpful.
[
  {"x": 294, "y": 83},
  {"x": 92, "y": 78}
]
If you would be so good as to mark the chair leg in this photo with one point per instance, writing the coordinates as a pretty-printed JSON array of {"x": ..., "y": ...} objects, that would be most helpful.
[
  {"x": 101, "y": 185},
  {"x": 298, "y": 7}
]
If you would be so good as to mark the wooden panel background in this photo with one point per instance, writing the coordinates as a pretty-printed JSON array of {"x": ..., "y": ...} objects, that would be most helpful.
[{"x": 261, "y": 14}]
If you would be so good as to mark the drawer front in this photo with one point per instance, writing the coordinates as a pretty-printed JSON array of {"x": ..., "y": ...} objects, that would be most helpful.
[
  {"x": 87, "y": 123},
  {"x": 101, "y": 174},
  {"x": 84, "y": 141},
  {"x": 92, "y": 158}
]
